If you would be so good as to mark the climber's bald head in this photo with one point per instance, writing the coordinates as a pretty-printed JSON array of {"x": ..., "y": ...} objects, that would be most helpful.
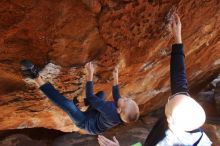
[{"x": 184, "y": 113}]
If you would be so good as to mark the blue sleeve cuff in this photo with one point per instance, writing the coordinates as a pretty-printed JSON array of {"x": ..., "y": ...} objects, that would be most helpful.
[
  {"x": 177, "y": 49},
  {"x": 46, "y": 87},
  {"x": 89, "y": 82},
  {"x": 115, "y": 87},
  {"x": 115, "y": 92}
]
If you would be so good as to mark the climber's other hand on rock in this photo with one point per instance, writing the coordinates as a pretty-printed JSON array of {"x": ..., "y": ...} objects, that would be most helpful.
[{"x": 103, "y": 141}]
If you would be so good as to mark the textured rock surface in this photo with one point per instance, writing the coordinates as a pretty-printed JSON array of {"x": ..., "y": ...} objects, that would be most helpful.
[{"x": 68, "y": 33}]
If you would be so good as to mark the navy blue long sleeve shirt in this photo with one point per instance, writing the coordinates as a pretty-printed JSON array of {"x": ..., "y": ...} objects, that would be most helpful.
[
  {"x": 116, "y": 93},
  {"x": 177, "y": 70},
  {"x": 105, "y": 115}
]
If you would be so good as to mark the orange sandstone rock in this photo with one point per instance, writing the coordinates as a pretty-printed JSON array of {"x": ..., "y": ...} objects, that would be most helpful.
[{"x": 69, "y": 33}]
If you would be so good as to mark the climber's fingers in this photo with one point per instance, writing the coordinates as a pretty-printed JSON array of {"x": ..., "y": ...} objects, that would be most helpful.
[
  {"x": 103, "y": 141},
  {"x": 116, "y": 141},
  {"x": 80, "y": 105},
  {"x": 173, "y": 22},
  {"x": 177, "y": 18}
]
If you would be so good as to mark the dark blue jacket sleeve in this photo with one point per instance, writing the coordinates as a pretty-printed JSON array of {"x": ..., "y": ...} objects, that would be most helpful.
[
  {"x": 177, "y": 70},
  {"x": 94, "y": 101},
  {"x": 115, "y": 93}
]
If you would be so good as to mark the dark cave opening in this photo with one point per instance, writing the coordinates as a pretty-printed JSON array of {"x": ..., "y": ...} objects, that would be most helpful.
[{"x": 41, "y": 134}]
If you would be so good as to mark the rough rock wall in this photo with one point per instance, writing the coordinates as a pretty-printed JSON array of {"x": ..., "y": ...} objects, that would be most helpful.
[{"x": 68, "y": 33}]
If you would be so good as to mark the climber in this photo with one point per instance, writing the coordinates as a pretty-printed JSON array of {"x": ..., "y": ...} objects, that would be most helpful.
[
  {"x": 101, "y": 115},
  {"x": 183, "y": 118}
]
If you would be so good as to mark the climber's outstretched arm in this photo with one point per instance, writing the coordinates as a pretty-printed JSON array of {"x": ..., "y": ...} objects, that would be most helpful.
[
  {"x": 115, "y": 88},
  {"x": 91, "y": 99},
  {"x": 177, "y": 66}
]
